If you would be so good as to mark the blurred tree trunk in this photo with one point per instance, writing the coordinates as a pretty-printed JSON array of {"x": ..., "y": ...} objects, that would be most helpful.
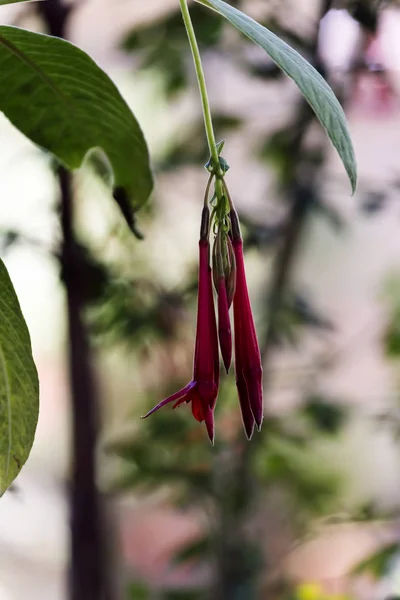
[
  {"x": 89, "y": 576},
  {"x": 89, "y": 570}
]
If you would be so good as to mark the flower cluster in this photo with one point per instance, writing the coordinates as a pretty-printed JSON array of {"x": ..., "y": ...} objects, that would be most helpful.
[{"x": 229, "y": 277}]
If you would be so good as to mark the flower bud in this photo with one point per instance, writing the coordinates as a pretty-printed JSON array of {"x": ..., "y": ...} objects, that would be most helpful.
[
  {"x": 224, "y": 275},
  {"x": 205, "y": 223},
  {"x": 224, "y": 264}
]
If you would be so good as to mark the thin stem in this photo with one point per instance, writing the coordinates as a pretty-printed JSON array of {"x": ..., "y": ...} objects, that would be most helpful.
[
  {"x": 203, "y": 89},
  {"x": 207, "y": 192}
]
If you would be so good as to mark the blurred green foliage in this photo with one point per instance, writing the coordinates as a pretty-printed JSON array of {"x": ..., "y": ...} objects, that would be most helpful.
[
  {"x": 163, "y": 45},
  {"x": 170, "y": 452},
  {"x": 328, "y": 417}
]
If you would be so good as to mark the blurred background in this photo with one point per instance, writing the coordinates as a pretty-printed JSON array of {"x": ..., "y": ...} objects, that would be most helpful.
[{"x": 309, "y": 510}]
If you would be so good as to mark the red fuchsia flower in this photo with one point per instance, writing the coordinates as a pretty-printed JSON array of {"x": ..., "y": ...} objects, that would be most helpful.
[
  {"x": 202, "y": 391},
  {"x": 229, "y": 277},
  {"x": 224, "y": 274},
  {"x": 247, "y": 351}
]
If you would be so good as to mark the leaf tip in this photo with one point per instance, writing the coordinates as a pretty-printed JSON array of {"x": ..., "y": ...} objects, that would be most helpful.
[
  {"x": 121, "y": 197},
  {"x": 353, "y": 176}
]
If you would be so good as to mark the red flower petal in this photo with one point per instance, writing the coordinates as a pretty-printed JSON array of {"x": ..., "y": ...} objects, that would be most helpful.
[
  {"x": 247, "y": 415},
  {"x": 204, "y": 352},
  {"x": 180, "y": 396},
  {"x": 248, "y": 358},
  {"x": 209, "y": 419},
  {"x": 202, "y": 392}
]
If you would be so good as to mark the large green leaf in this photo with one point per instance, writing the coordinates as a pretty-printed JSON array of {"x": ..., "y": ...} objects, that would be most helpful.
[
  {"x": 59, "y": 98},
  {"x": 313, "y": 86},
  {"x": 19, "y": 386}
]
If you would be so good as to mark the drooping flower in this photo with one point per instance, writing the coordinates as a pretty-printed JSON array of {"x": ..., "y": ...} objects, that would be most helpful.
[
  {"x": 247, "y": 352},
  {"x": 228, "y": 274},
  {"x": 202, "y": 391},
  {"x": 224, "y": 274}
]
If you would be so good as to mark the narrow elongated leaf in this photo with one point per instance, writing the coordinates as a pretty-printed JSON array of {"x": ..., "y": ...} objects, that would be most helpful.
[
  {"x": 14, "y": 1},
  {"x": 59, "y": 98},
  {"x": 19, "y": 387},
  {"x": 313, "y": 86}
]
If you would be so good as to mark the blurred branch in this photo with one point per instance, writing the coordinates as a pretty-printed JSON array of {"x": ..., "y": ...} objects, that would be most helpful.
[{"x": 89, "y": 573}]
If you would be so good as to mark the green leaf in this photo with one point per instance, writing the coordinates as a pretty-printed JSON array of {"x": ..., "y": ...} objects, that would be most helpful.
[
  {"x": 58, "y": 97},
  {"x": 313, "y": 86},
  {"x": 14, "y": 1},
  {"x": 19, "y": 386}
]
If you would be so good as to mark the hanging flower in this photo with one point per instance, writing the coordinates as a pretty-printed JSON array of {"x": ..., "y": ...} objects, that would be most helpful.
[
  {"x": 228, "y": 274},
  {"x": 202, "y": 391},
  {"x": 247, "y": 352}
]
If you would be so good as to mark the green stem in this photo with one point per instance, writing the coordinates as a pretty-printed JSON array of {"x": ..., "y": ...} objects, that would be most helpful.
[
  {"x": 207, "y": 193},
  {"x": 203, "y": 89}
]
